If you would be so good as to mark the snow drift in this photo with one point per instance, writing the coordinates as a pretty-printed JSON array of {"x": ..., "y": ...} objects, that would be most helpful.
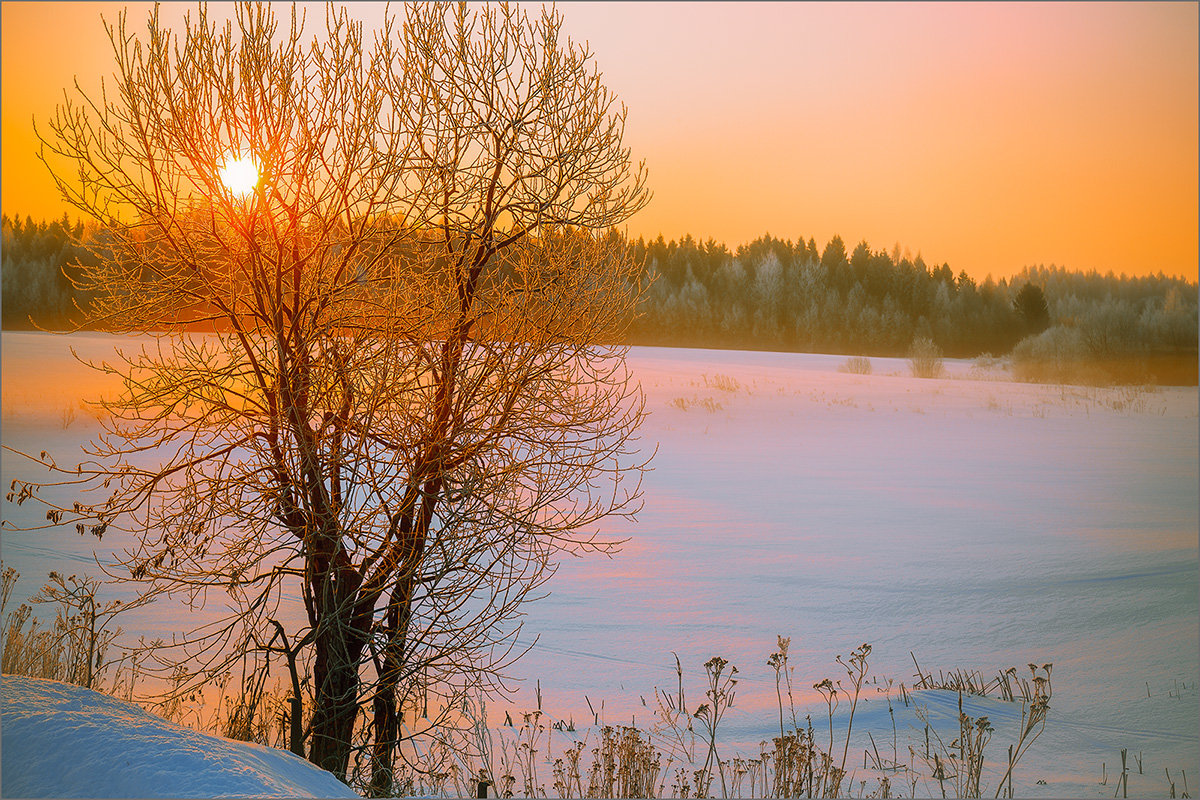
[{"x": 58, "y": 740}]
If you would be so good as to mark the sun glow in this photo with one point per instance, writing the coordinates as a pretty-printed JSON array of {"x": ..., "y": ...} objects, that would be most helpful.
[{"x": 240, "y": 175}]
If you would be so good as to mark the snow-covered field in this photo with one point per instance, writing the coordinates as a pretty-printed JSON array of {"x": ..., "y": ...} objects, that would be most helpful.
[
  {"x": 976, "y": 522},
  {"x": 67, "y": 741}
]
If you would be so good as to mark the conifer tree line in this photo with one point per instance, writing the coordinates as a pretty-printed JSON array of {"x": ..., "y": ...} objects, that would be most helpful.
[
  {"x": 795, "y": 296},
  {"x": 782, "y": 295},
  {"x": 39, "y": 261}
]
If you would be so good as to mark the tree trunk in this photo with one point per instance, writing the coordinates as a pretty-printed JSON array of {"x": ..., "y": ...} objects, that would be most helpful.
[
  {"x": 387, "y": 735},
  {"x": 335, "y": 672},
  {"x": 386, "y": 703},
  {"x": 341, "y": 637},
  {"x": 387, "y": 715}
]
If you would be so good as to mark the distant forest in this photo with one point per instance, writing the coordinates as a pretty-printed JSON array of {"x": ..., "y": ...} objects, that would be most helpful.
[
  {"x": 37, "y": 258},
  {"x": 780, "y": 295},
  {"x": 774, "y": 294}
]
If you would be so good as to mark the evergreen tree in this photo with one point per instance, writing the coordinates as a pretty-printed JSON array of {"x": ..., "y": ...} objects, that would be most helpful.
[{"x": 1030, "y": 304}]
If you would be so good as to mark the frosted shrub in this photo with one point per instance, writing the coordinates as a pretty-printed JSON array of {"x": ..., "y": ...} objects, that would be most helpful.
[
  {"x": 987, "y": 361},
  {"x": 925, "y": 358},
  {"x": 1056, "y": 355},
  {"x": 856, "y": 365}
]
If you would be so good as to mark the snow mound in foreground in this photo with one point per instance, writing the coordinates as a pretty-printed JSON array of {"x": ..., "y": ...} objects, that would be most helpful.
[{"x": 58, "y": 740}]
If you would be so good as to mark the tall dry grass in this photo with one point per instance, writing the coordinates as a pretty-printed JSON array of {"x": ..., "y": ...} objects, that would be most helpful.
[{"x": 679, "y": 754}]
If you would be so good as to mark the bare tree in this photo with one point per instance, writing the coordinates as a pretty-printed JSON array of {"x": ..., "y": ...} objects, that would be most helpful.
[{"x": 411, "y": 398}]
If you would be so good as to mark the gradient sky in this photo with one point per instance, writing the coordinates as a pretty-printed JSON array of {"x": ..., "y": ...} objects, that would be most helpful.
[{"x": 989, "y": 136}]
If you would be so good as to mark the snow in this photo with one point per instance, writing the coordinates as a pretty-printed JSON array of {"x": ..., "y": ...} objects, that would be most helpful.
[
  {"x": 978, "y": 522},
  {"x": 58, "y": 740},
  {"x": 975, "y": 521}
]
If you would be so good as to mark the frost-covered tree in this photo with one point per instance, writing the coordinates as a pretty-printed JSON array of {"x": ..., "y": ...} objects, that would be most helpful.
[{"x": 411, "y": 401}]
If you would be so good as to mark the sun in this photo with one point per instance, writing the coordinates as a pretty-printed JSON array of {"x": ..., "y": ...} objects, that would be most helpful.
[{"x": 240, "y": 175}]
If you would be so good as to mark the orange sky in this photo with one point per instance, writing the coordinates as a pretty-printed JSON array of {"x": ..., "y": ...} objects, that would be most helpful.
[{"x": 990, "y": 136}]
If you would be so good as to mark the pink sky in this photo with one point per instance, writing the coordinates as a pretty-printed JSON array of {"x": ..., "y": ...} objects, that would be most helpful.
[{"x": 990, "y": 136}]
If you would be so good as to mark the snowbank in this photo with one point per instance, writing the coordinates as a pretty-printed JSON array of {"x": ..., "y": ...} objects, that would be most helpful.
[{"x": 58, "y": 740}]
